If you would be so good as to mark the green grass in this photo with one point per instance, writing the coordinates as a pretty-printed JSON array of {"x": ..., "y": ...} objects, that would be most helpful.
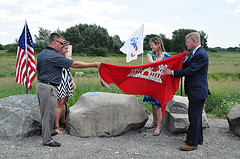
[
  {"x": 224, "y": 80},
  {"x": 224, "y": 95}
]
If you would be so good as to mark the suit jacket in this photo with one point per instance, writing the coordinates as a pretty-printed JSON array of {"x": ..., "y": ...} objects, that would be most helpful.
[{"x": 195, "y": 70}]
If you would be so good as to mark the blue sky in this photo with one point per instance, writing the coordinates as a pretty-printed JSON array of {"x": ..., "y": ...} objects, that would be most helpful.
[{"x": 219, "y": 19}]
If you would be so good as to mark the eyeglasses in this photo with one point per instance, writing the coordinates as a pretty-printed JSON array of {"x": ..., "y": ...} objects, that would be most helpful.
[{"x": 60, "y": 42}]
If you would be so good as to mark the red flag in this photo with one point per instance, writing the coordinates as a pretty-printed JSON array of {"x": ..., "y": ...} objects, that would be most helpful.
[
  {"x": 146, "y": 79},
  {"x": 25, "y": 57}
]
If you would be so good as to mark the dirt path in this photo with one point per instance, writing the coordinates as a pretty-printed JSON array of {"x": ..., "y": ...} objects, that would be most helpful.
[{"x": 218, "y": 143}]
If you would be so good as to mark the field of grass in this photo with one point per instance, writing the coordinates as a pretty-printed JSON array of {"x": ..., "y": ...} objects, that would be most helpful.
[{"x": 224, "y": 80}]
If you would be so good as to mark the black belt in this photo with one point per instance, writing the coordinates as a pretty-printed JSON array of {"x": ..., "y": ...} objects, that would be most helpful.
[{"x": 49, "y": 83}]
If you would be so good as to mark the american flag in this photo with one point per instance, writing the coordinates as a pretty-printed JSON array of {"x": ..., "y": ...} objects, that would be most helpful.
[{"x": 25, "y": 57}]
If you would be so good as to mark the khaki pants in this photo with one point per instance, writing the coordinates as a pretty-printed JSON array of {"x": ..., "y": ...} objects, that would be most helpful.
[{"x": 47, "y": 97}]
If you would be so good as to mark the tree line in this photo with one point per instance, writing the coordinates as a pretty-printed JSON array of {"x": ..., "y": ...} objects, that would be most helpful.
[{"x": 94, "y": 40}]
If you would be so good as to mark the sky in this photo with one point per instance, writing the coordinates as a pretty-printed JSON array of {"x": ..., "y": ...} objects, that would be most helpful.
[{"x": 219, "y": 19}]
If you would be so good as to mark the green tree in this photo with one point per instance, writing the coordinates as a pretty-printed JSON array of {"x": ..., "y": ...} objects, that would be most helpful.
[
  {"x": 75, "y": 38},
  {"x": 42, "y": 40},
  {"x": 179, "y": 42},
  {"x": 92, "y": 51},
  {"x": 84, "y": 36},
  {"x": 96, "y": 36},
  {"x": 178, "y": 39},
  {"x": 115, "y": 44},
  {"x": 166, "y": 42},
  {"x": 12, "y": 48},
  {"x": 203, "y": 37},
  {"x": 1, "y": 47},
  {"x": 146, "y": 41}
]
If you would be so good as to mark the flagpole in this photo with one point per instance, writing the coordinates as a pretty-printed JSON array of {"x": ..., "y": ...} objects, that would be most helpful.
[
  {"x": 26, "y": 55},
  {"x": 181, "y": 86},
  {"x": 142, "y": 42}
]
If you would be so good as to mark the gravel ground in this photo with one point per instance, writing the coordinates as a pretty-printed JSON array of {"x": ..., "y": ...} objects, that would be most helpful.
[{"x": 218, "y": 143}]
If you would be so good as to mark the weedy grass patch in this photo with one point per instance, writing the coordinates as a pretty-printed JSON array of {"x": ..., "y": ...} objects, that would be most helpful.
[{"x": 223, "y": 77}]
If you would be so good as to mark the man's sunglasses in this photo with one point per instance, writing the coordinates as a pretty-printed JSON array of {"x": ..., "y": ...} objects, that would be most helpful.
[{"x": 60, "y": 42}]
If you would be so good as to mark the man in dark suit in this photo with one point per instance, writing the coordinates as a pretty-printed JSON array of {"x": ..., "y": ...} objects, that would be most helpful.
[{"x": 195, "y": 69}]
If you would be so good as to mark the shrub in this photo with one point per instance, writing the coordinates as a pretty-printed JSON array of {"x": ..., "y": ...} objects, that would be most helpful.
[
  {"x": 92, "y": 51},
  {"x": 12, "y": 49},
  {"x": 220, "y": 102},
  {"x": 1, "y": 47}
]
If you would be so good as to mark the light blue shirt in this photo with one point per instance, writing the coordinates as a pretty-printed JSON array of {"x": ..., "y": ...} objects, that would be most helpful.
[{"x": 196, "y": 49}]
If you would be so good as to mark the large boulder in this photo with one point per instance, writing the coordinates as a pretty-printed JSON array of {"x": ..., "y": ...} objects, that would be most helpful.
[
  {"x": 233, "y": 118},
  {"x": 176, "y": 116},
  {"x": 19, "y": 116},
  {"x": 105, "y": 114}
]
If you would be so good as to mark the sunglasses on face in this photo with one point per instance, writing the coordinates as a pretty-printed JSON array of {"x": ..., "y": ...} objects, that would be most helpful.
[{"x": 60, "y": 42}]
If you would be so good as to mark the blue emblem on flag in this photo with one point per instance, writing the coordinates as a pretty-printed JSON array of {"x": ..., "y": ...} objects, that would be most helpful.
[{"x": 134, "y": 43}]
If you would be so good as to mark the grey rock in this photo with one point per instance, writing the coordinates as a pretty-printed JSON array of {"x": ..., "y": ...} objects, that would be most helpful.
[
  {"x": 233, "y": 119},
  {"x": 176, "y": 116},
  {"x": 105, "y": 114},
  {"x": 19, "y": 116}
]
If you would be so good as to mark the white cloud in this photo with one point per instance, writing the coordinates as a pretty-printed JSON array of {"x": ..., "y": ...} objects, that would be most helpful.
[
  {"x": 176, "y": 17},
  {"x": 157, "y": 28},
  {"x": 120, "y": 17},
  {"x": 237, "y": 10},
  {"x": 230, "y": 1},
  {"x": 100, "y": 7},
  {"x": 234, "y": 12},
  {"x": 85, "y": 11},
  {"x": 226, "y": 12},
  {"x": 123, "y": 28},
  {"x": 3, "y": 33},
  {"x": 4, "y": 14},
  {"x": 33, "y": 5},
  {"x": 8, "y": 2},
  {"x": 62, "y": 14}
]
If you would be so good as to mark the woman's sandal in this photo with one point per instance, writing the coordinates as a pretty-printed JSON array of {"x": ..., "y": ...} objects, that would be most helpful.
[
  {"x": 152, "y": 126},
  {"x": 58, "y": 131},
  {"x": 156, "y": 133}
]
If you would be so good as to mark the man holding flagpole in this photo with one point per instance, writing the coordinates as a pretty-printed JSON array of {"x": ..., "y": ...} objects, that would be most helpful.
[{"x": 134, "y": 45}]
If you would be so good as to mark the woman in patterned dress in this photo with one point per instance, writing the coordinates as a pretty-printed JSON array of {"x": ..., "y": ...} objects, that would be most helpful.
[
  {"x": 65, "y": 90},
  {"x": 158, "y": 53}
]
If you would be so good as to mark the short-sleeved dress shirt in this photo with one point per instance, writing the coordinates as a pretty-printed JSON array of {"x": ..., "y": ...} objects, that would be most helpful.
[{"x": 50, "y": 64}]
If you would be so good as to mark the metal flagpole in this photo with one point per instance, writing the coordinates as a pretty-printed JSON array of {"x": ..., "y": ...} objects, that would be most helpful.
[
  {"x": 181, "y": 86},
  {"x": 142, "y": 44},
  {"x": 26, "y": 55}
]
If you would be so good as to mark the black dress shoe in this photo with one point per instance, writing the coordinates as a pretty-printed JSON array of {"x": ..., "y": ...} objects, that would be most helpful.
[
  {"x": 53, "y": 144},
  {"x": 54, "y": 133}
]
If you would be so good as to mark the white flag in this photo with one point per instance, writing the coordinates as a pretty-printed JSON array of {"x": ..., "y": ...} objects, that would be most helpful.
[{"x": 134, "y": 45}]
